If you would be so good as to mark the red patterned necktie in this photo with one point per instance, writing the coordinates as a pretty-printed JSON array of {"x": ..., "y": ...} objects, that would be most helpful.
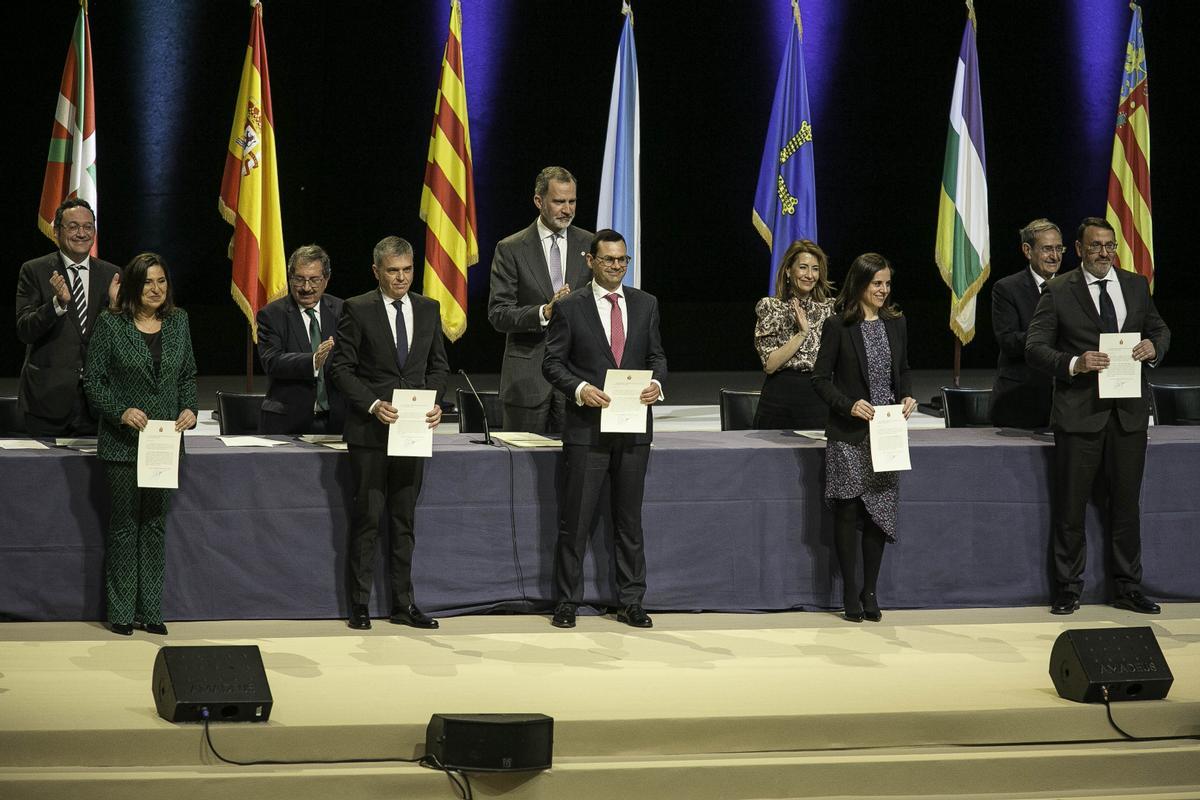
[{"x": 616, "y": 327}]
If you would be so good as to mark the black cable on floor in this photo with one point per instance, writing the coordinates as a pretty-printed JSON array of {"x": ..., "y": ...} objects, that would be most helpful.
[{"x": 512, "y": 516}]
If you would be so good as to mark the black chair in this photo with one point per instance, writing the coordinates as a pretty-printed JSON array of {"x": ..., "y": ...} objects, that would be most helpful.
[
  {"x": 1176, "y": 404},
  {"x": 737, "y": 410},
  {"x": 239, "y": 412},
  {"x": 966, "y": 408},
  {"x": 470, "y": 415},
  {"x": 12, "y": 422}
]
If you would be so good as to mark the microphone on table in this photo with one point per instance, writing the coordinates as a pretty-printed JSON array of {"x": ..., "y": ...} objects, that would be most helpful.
[{"x": 487, "y": 434}]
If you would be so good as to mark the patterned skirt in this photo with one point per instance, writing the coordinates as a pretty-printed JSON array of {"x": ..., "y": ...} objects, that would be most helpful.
[{"x": 848, "y": 474}]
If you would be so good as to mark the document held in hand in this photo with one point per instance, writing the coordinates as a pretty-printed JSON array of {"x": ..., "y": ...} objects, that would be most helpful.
[
  {"x": 889, "y": 439},
  {"x": 1123, "y": 375},
  {"x": 410, "y": 434},
  {"x": 158, "y": 455},
  {"x": 625, "y": 413}
]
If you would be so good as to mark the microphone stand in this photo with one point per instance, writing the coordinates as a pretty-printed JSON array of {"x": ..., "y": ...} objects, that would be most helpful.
[{"x": 487, "y": 434}]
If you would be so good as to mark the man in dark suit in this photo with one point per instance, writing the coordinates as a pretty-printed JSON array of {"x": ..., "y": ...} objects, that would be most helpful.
[
  {"x": 1093, "y": 434},
  {"x": 599, "y": 327},
  {"x": 294, "y": 342},
  {"x": 59, "y": 297},
  {"x": 1020, "y": 395},
  {"x": 531, "y": 271},
  {"x": 387, "y": 339}
]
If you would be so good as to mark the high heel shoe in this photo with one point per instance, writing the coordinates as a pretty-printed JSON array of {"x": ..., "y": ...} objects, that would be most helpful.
[
  {"x": 853, "y": 609},
  {"x": 870, "y": 606}
]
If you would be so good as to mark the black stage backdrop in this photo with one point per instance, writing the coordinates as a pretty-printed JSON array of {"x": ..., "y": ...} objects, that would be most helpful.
[{"x": 353, "y": 88}]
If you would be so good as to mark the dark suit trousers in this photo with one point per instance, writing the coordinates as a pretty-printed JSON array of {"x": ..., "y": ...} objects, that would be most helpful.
[
  {"x": 544, "y": 419},
  {"x": 382, "y": 482},
  {"x": 1078, "y": 458},
  {"x": 585, "y": 469}
]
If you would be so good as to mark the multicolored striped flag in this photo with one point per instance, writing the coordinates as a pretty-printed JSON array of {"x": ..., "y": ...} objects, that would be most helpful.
[
  {"x": 249, "y": 198},
  {"x": 1129, "y": 181},
  {"x": 785, "y": 202},
  {"x": 962, "y": 250},
  {"x": 621, "y": 176},
  {"x": 448, "y": 196},
  {"x": 71, "y": 164}
]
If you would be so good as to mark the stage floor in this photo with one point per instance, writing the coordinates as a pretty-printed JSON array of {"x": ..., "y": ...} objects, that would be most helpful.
[{"x": 945, "y": 703}]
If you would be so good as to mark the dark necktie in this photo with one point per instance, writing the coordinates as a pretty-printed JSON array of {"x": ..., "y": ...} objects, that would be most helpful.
[
  {"x": 314, "y": 337},
  {"x": 1108, "y": 312},
  {"x": 616, "y": 328},
  {"x": 401, "y": 335},
  {"x": 77, "y": 294}
]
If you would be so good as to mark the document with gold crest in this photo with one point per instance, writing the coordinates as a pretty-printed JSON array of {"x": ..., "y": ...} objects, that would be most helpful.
[
  {"x": 158, "y": 455},
  {"x": 410, "y": 434},
  {"x": 889, "y": 439},
  {"x": 1123, "y": 375},
  {"x": 626, "y": 413}
]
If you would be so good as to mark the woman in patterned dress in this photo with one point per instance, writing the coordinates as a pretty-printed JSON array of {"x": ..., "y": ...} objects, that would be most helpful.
[
  {"x": 787, "y": 337},
  {"x": 862, "y": 363},
  {"x": 139, "y": 367}
]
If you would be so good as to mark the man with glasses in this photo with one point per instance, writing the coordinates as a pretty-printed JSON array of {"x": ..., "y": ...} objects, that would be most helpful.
[
  {"x": 1020, "y": 395},
  {"x": 602, "y": 326},
  {"x": 295, "y": 337},
  {"x": 531, "y": 271},
  {"x": 59, "y": 297},
  {"x": 1092, "y": 434}
]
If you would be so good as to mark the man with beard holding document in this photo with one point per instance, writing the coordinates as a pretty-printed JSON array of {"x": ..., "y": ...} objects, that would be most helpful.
[{"x": 600, "y": 327}]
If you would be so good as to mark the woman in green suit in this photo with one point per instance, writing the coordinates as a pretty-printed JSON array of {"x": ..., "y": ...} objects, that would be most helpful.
[{"x": 139, "y": 367}]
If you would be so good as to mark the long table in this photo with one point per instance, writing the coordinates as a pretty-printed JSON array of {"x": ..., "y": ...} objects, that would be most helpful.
[{"x": 733, "y": 521}]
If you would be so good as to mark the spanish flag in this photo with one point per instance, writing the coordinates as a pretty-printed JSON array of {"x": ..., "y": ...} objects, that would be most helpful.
[
  {"x": 250, "y": 187},
  {"x": 448, "y": 196}
]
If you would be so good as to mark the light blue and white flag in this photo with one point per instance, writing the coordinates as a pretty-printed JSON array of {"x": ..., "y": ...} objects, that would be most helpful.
[{"x": 621, "y": 179}]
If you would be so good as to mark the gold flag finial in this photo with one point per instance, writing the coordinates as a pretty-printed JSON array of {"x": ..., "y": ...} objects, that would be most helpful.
[
  {"x": 971, "y": 14},
  {"x": 796, "y": 14}
]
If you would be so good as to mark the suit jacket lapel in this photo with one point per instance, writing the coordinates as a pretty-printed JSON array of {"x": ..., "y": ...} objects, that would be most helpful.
[
  {"x": 1133, "y": 299},
  {"x": 1084, "y": 297},
  {"x": 535, "y": 259},
  {"x": 297, "y": 327},
  {"x": 574, "y": 264},
  {"x": 860, "y": 349},
  {"x": 328, "y": 320},
  {"x": 381, "y": 319},
  {"x": 97, "y": 296},
  {"x": 592, "y": 315}
]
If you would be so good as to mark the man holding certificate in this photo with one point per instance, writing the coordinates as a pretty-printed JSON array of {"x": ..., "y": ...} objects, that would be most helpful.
[
  {"x": 604, "y": 335},
  {"x": 1097, "y": 426},
  {"x": 389, "y": 347}
]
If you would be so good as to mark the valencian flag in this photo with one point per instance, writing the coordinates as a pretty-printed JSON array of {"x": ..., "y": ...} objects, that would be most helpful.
[
  {"x": 250, "y": 186},
  {"x": 621, "y": 176},
  {"x": 448, "y": 196},
  {"x": 1129, "y": 181},
  {"x": 785, "y": 203},
  {"x": 962, "y": 249},
  {"x": 71, "y": 164}
]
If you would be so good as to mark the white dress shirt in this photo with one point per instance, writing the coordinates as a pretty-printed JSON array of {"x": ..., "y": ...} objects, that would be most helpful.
[
  {"x": 83, "y": 278},
  {"x": 1113, "y": 287},
  {"x": 406, "y": 305},
  {"x": 604, "y": 309}
]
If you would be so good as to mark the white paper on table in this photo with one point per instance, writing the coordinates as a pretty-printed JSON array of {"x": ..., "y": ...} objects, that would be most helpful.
[
  {"x": 248, "y": 441},
  {"x": 626, "y": 413},
  {"x": 77, "y": 442},
  {"x": 410, "y": 434},
  {"x": 525, "y": 439},
  {"x": 158, "y": 455},
  {"x": 1123, "y": 375},
  {"x": 22, "y": 444},
  {"x": 816, "y": 435},
  {"x": 889, "y": 439}
]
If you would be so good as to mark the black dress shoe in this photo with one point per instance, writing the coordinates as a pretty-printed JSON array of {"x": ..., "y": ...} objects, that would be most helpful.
[
  {"x": 413, "y": 617},
  {"x": 156, "y": 628},
  {"x": 870, "y": 607},
  {"x": 1065, "y": 603},
  {"x": 564, "y": 616},
  {"x": 635, "y": 616},
  {"x": 360, "y": 620},
  {"x": 852, "y": 609},
  {"x": 122, "y": 628},
  {"x": 1136, "y": 601}
]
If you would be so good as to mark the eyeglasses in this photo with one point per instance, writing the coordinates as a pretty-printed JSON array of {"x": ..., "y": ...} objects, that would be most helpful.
[
  {"x": 296, "y": 280},
  {"x": 1052, "y": 250},
  {"x": 1096, "y": 247},
  {"x": 608, "y": 261},
  {"x": 75, "y": 227}
]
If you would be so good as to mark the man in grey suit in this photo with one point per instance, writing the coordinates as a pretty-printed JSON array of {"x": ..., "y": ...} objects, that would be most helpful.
[
  {"x": 59, "y": 297},
  {"x": 1094, "y": 434},
  {"x": 531, "y": 271}
]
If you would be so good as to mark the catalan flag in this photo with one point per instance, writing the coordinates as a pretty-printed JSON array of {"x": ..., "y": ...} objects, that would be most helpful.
[
  {"x": 621, "y": 174},
  {"x": 71, "y": 164},
  {"x": 1129, "y": 181},
  {"x": 962, "y": 249},
  {"x": 249, "y": 198},
  {"x": 785, "y": 202},
  {"x": 448, "y": 196}
]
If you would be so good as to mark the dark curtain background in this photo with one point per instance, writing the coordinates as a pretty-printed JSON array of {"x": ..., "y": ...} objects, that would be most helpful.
[{"x": 353, "y": 88}]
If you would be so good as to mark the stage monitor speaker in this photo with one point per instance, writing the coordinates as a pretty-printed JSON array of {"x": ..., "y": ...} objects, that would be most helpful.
[
  {"x": 1126, "y": 660},
  {"x": 228, "y": 680},
  {"x": 491, "y": 742}
]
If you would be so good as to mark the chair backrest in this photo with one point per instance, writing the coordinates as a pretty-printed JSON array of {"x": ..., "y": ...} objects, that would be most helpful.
[
  {"x": 1176, "y": 404},
  {"x": 11, "y": 422},
  {"x": 966, "y": 408},
  {"x": 737, "y": 410},
  {"x": 239, "y": 412},
  {"x": 470, "y": 415}
]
